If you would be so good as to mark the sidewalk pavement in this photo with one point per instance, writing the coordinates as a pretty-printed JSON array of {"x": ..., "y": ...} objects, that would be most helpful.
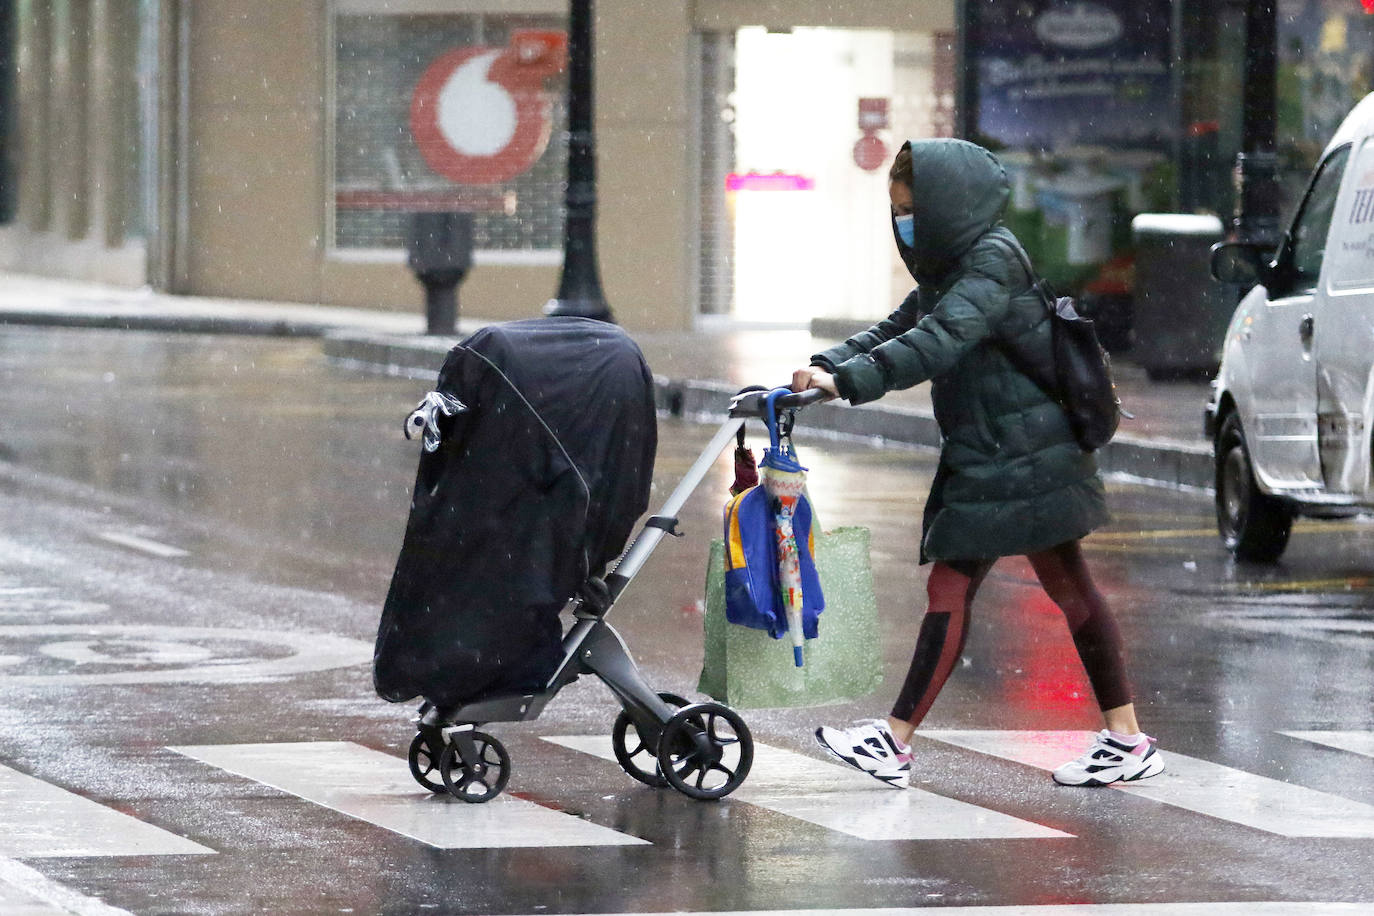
[{"x": 695, "y": 372}]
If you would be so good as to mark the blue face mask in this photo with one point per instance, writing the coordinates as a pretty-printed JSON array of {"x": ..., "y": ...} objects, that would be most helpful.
[{"x": 906, "y": 229}]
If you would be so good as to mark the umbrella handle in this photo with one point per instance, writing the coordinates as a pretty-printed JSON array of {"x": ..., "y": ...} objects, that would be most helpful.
[{"x": 770, "y": 414}]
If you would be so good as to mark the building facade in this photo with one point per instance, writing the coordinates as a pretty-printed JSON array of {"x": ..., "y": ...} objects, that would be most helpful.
[
  {"x": 273, "y": 149},
  {"x": 277, "y": 149}
]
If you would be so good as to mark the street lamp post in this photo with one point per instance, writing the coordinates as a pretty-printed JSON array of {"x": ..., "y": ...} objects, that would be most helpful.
[
  {"x": 579, "y": 290},
  {"x": 1256, "y": 175}
]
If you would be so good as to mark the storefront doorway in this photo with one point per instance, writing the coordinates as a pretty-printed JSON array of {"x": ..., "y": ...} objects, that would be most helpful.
[{"x": 794, "y": 209}]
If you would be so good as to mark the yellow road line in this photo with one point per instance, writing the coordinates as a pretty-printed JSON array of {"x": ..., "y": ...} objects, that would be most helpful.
[
  {"x": 1159, "y": 534},
  {"x": 1350, "y": 583},
  {"x": 1099, "y": 546}
]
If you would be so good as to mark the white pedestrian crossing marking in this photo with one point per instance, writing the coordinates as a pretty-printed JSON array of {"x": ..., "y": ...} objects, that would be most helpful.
[
  {"x": 39, "y": 819},
  {"x": 1361, "y": 743},
  {"x": 1227, "y": 908},
  {"x": 838, "y": 798},
  {"x": 27, "y": 892},
  {"x": 377, "y": 788},
  {"x": 133, "y": 541},
  {"x": 1195, "y": 785}
]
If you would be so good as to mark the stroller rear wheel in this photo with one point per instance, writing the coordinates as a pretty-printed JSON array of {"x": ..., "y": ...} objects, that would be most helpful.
[
  {"x": 633, "y": 753},
  {"x": 705, "y": 751},
  {"x": 481, "y": 779},
  {"x": 424, "y": 762}
]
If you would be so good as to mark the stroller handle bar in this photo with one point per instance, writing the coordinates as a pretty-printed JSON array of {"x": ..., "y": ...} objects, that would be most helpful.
[
  {"x": 754, "y": 403},
  {"x": 745, "y": 405}
]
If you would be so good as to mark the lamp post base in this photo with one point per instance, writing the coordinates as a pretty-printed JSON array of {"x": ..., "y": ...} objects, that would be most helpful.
[{"x": 579, "y": 308}]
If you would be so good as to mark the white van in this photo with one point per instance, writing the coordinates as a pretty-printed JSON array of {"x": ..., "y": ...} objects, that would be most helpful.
[{"x": 1293, "y": 404}]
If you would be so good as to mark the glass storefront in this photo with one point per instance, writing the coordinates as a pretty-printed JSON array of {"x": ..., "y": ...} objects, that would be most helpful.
[
  {"x": 1103, "y": 109},
  {"x": 1078, "y": 101},
  {"x": 403, "y": 141},
  {"x": 799, "y": 128}
]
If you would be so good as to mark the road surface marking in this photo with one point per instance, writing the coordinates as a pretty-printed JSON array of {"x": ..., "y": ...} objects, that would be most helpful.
[
  {"x": 145, "y": 653},
  {"x": 1140, "y": 549},
  {"x": 1155, "y": 534},
  {"x": 1338, "y": 630},
  {"x": 1266, "y": 908},
  {"x": 1340, "y": 583},
  {"x": 40, "y": 820},
  {"x": 24, "y": 891},
  {"x": 831, "y": 796},
  {"x": 1361, "y": 743},
  {"x": 1194, "y": 785},
  {"x": 377, "y": 788},
  {"x": 134, "y": 542}
]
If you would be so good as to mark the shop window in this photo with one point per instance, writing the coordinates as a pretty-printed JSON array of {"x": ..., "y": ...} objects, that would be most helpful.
[
  {"x": 394, "y": 155},
  {"x": 1078, "y": 102}
]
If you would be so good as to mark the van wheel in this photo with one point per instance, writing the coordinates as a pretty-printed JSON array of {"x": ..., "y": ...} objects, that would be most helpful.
[{"x": 1253, "y": 524}]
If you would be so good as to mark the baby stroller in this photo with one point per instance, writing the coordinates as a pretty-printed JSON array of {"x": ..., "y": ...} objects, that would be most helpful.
[{"x": 539, "y": 448}]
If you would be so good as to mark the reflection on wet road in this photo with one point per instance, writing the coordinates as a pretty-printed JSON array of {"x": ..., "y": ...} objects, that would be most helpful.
[{"x": 195, "y": 537}]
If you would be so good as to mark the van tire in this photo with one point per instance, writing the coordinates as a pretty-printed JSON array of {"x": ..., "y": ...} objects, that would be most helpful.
[{"x": 1253, "y": 525}]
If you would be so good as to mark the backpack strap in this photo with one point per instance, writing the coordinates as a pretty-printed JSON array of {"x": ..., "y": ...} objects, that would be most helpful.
[
  {"x": 1024, "y": 364},
  {"x": 1037, "y": 282}
]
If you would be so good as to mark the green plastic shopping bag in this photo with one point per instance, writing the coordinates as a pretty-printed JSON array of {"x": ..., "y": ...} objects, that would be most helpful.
[{"x": 747, "y": 668}]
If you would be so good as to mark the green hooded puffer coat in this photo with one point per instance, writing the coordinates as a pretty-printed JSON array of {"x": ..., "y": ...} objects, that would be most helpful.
[{"x": 1012, "y": 478}]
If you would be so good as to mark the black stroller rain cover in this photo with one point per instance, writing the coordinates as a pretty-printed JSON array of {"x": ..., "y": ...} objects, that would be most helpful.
[{"x": 533, "y": 488}]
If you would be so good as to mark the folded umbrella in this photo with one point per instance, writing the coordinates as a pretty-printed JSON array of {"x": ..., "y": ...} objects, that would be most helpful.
[{"x": 784, "y": 479}]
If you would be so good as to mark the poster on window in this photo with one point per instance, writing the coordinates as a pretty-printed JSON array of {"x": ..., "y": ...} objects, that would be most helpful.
[
  {"x": 1076, "y": 98},
  {"x": 449, "y": 112}
]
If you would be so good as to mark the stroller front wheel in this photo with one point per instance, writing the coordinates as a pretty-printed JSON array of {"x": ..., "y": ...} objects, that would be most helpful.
[
  {"x": 705, "y": 751},
  {"x": 480, "y": 779},
  {"x": 641, "y": 759}
]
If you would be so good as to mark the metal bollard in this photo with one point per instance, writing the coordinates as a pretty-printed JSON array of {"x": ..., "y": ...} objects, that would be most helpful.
[{"x": 439, "y": 251}]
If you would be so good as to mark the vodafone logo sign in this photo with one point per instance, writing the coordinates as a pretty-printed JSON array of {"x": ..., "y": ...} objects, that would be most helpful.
[{"x": 480, "y": 115}]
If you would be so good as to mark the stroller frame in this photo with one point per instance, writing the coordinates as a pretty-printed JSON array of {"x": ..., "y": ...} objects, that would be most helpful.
[{"x": 592, "y": 646}]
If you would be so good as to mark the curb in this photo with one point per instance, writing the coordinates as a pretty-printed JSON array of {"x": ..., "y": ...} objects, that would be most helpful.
[
  {"x": 192, "y": 324},
  {"x": 1177, "y": 464}
]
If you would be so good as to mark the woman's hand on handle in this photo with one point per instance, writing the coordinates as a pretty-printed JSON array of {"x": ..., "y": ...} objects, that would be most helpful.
[{"x": 815, "y": 377}]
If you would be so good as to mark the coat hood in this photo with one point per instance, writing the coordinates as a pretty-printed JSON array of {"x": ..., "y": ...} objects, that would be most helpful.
[{"x": 959, "y": 191}]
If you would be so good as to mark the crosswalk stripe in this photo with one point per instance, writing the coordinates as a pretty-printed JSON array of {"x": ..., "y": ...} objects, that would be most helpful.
[
  {"x": 27, "y": 892},
  {"x": 1224, "y": 908},
  {"x": 1361, "y": 743},
  {"x": 37, "y": 820},
  {"x": 838, "y": 798},
  {"x": 156, "y": 548},
  {"x": 377, "y": 788},
  {"x": 1195, "y": 785}
]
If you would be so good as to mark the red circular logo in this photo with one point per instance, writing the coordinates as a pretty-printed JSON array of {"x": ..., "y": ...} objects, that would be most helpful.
[{"x": 480, "y": 115}]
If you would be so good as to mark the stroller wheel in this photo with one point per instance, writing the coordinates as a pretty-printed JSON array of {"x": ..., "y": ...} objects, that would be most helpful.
[
  {"x": 484, "y": 779},
  {"x": 424, "y": 764},
  {"x": 705, "y": 751},
  {"x": 633, "y": 753}
]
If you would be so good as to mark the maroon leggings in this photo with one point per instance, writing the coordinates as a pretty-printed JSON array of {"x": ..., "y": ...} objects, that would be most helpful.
[{"x": 1064, "y": 576}]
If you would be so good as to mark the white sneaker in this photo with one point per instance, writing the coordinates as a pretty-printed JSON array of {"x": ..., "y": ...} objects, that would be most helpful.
[
  {"x": 1109, "y": 760},
  {"x": 870, "y": 746}
]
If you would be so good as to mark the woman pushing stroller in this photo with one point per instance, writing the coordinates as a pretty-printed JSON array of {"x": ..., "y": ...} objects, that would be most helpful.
[{"x": 1012, "y": 479}]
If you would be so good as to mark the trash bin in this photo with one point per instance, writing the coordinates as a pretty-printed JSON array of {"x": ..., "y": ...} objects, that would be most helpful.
[{"x": 1180, "y": 313}]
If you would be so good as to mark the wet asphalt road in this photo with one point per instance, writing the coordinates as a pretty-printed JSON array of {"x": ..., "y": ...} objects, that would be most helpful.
[{"x": 196, "y": 535}]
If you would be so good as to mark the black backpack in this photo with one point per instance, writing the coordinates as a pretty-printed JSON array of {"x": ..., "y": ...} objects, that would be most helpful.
[{"x": 1081, "y": 378}]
